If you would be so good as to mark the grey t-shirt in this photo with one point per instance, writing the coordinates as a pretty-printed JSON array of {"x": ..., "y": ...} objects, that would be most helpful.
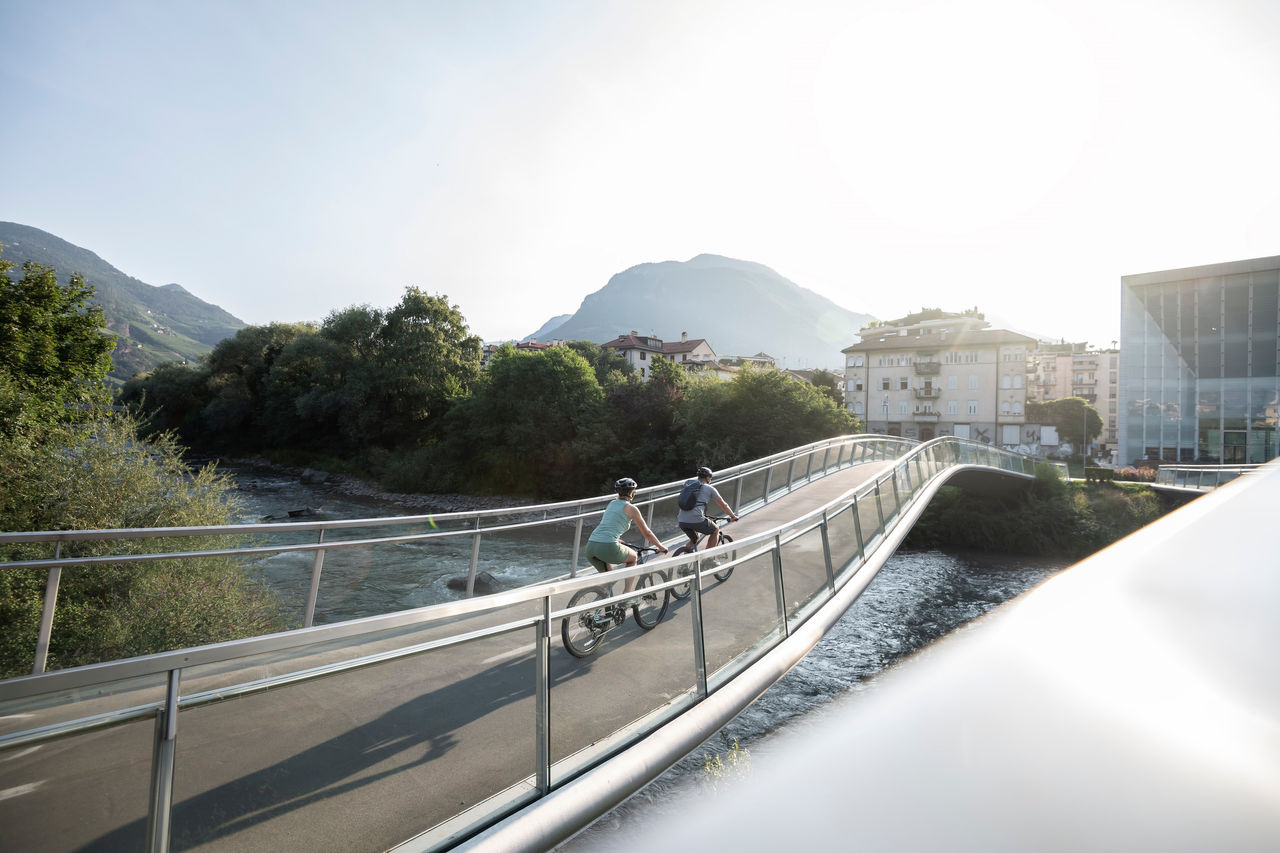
[{"x": 707, "y": 494}]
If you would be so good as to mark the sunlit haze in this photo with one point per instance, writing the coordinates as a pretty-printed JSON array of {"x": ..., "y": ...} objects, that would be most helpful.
[{"x": 287, "y": 159}]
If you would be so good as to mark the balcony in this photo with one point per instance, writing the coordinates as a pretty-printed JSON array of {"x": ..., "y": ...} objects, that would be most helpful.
[
  {"x": 928, "y": 416},
  {"x": 928, "y": 368},
  {"x": 928, "y": 393}
]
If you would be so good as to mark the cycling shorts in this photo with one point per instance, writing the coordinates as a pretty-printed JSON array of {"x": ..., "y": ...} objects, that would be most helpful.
[
  {"x": 706, "y": 526},
  {"x": 602, "y": 554}
]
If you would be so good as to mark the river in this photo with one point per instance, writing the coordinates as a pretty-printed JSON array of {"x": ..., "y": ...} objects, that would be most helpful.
[{"x": 918, "y": 597}]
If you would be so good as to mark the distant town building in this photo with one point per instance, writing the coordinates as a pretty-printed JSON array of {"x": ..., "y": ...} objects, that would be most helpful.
[
  {"x": 936, "y": 373},
  {"x": 640, "y": 351},
  {"x": 1199, "y": 363},
  {"x": 1066, "y": 369}
]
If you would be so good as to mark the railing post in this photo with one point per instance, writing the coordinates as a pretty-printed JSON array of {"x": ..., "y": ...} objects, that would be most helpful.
[
  {"x": 46, "y": 615},
  {"x": 160, "y": 807},
  {"x": 699, "y": 641},
  {"x": 737, "y": 502},
  {"x": 475, "y": 561},
  {"x": 857, "y": 529},
  {"x": 826, "y": 554},
  {"x": 313, "y": 594},
  {"x": 791, "y": 473},
  {"x": 542, "y": 698},
  {"x": 779, "y": 588},
  {"x": 577, "y": 545},
  {"x": 768, "y": 482}
]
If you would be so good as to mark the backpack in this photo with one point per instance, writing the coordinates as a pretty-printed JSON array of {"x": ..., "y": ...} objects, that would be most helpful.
[{"x": 689, "y": 494}]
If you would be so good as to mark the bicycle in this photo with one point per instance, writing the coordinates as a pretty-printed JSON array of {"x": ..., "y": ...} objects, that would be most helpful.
[
  {"x": 682, "y": 591},
  {"x": 583, "y": 633}
]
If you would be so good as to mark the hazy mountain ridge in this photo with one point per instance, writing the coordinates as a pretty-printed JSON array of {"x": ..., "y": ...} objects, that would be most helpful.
[
  {"x": 739, "y": 307},
  {"x": 153, "y": 324}
]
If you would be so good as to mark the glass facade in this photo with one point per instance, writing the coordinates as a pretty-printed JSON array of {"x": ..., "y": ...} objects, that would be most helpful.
[{"x": 1199, "y": 377}]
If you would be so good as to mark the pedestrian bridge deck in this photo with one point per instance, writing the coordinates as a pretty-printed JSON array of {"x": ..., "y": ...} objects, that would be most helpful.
[{"x": 424, "y": 728}]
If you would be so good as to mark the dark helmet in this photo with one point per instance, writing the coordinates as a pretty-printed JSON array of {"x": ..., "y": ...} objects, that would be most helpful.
[
  {"x": 625, "y": 486},
  {"x": 704, "y": 471}
]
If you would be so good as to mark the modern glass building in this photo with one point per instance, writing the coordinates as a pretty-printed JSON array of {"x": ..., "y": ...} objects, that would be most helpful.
[{"x": 1199, "y": 377}]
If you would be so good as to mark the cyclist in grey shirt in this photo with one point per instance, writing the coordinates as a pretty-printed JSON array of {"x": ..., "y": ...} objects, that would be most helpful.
[{"x": 695, "y": 521}]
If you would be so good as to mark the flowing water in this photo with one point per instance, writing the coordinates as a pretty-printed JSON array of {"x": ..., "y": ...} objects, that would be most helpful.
[{"x": 918, "y": 597}]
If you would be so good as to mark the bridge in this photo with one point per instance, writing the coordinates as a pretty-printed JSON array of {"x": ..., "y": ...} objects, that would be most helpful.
[{"x": 462, "y": 724}]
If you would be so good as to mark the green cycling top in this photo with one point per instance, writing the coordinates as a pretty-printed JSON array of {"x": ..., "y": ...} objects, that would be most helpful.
[{"x": 613, "y": 523}]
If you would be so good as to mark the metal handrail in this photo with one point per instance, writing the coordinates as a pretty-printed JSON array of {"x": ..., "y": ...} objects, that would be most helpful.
[
  {"x": 466, "y": 524},
  {"x": 1201, "y": 476},
  {"x": 892, "y": 492}
]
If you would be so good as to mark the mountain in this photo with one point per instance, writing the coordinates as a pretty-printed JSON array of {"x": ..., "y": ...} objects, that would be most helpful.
[
  {"x": 547, "y": 328},
  {"x": 739, "y": 307},
  {"x": 152, "y": 324}
]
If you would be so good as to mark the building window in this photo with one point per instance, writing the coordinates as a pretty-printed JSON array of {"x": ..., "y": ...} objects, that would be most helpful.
[
  {"x": 884, "y": 383},
  {"x": 857, "y": 384},
  {"x": 953, "y": 382},
  {"x": 857, "y": 407},
  {"x": 1006, "y": 382},
  {"x": 902, "y": 383},
  {"x": 1017, "y": 381},
  {"x": 902, "y": 407},
  {"x": 1004, "y": 407},
  {"x": 973, "y": 382},
  {"x": 642, "y": 355},
  {"x": 953, "y": 407},
  {"x": 973, "y": 407}
]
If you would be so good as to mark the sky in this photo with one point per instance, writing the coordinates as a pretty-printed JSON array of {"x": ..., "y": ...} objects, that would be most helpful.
[{"x": 287, "y": 159}]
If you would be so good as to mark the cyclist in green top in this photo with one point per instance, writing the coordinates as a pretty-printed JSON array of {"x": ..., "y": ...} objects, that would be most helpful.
[{"x": 603, "y": 546}]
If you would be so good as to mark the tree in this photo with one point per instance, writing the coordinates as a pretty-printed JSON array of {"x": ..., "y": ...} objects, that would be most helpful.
[
  {"x": 758, "y": 412},
  {"x": 611, "y": 366},
  {"x": 1077, "y": 422},
  {"x": 55, "y": 350},
  {"x": 829, "y": 384}
]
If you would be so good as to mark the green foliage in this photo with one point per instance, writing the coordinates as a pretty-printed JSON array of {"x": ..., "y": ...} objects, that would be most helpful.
[
  {"x": 611, "y": 367},
  {"x": 1078, "y": 422},
  {"x": 1053, "y": 517},
  {"x": 734, "y": 765},
  {"x": 100, "y": 475},
  {"x": 54, "y": 352},
  {"x": 758, "y": 412}
]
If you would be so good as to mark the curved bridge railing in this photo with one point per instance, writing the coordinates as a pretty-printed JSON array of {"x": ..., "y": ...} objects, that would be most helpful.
[
  {"x": 1203, "y": 477},
  {"x": 325, "y": 552},
  {"x": 422, "y": 728}
]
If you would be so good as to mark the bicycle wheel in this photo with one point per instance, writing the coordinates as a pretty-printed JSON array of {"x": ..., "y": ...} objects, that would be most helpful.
[
  {"x": 582, "y": 632},
  {"x": 723, "y": 574},
  {"x": 653, "y": 602},
  {"x": 681, "y": 590}
]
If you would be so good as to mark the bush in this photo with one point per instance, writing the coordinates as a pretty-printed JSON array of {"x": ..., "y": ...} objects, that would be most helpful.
[{"x": 100, "y": 475}]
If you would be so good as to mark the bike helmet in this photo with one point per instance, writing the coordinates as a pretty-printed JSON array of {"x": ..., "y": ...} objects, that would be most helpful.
[
  {"x": 625, "y": 485},
  {"x": 704, "y": 471}
]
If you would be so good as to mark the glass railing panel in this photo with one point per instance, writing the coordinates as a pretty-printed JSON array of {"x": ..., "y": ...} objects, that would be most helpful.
[
  {"x": 888, "y": 501},
  {"x": 84, "y": 791},
  {"x": 752, "y": 490},
  {"x": 393, "y": 748},
  {"x": 869, "y": 519},
  {"x": 778, "y": 478},
  {"x": 603, "y": 702},
  {"x": 740, "y": 618},
  {"x": 842, "y": 537},
  {"x": 804, "y": 574},
  {"x": 65, "y": 706}
]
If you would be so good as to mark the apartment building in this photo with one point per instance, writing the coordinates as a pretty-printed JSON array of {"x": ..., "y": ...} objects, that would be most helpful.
[
  {"x": 936, "y": 373},
  {"x": 1067, "y": 369},
  {"x": 1200, "y": 363}
]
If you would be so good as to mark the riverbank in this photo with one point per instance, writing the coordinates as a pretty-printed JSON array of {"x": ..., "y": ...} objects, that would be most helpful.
[{"x": 359, "y": 489}]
